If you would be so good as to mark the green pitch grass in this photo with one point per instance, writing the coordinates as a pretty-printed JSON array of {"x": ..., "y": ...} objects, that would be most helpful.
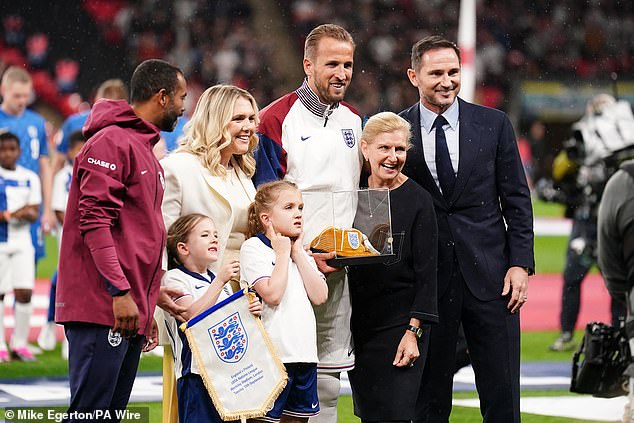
[{"x": 543, "y": 209}]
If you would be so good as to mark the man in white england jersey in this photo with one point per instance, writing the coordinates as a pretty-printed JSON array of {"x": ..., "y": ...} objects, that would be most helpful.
[{"x": 311, "y": 137}]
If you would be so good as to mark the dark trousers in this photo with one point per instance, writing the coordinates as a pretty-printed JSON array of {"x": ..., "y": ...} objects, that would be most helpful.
[
  {"x": 101, "y": 370},
  {"x": 493, "y": 339},
  {"x": 194, "y": 403},
  {"x": 578, "y": 264}
]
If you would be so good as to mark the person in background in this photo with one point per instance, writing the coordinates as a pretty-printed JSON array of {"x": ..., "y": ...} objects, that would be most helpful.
[
  {"x": 581, "y": 183},
  {"x": 536, "y": 139},
  {"x": 616, "y": 249},
  {"x": 311, "y": 137},
  {"x": 466, "y": 157},
  {"x": 16, "y": 89},
  {"x": 392, "y": 301},
  {"x": 20, "y": 198}
]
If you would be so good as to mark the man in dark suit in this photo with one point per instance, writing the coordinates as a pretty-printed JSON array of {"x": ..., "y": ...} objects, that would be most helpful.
[{"x": 466, "y": 156}]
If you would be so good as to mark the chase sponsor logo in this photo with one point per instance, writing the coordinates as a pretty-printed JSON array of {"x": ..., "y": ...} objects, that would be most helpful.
[
  {"x": 102, "y": 163},
  {"x": 348, "y": 137}
]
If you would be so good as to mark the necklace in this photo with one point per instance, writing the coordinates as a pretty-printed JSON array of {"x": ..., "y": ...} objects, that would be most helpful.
[{"x": 374, "y": 209}]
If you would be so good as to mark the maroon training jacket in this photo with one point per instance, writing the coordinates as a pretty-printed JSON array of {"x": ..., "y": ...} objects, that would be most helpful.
[{"x": 113, "y": 234}]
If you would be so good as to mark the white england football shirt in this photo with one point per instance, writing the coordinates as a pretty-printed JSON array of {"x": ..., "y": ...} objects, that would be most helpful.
[
  {"x": 291, "y": 324},
  {"x": 18, "y": 188},
  {"x": 193, "y": 284}
]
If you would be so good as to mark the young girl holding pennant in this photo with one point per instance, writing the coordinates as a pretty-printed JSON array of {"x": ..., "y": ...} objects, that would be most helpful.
[{"x": 192, "y": 246}]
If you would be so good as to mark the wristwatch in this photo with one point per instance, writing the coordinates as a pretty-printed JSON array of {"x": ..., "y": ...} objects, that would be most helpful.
[{"x": 417, "y": 331}]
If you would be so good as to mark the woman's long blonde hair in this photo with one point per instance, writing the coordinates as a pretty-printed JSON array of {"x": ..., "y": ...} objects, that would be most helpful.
[{"x": 206, "y": 134}]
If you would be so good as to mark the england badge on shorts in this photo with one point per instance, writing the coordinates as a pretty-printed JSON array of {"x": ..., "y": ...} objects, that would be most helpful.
[
  {"x": 114, "y": 338},
  {"x": 229, "y": 339},
  {"x": 348, "y": 137}
]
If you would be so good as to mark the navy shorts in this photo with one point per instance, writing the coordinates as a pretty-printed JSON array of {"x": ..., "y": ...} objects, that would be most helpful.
[
  {"x": 194, "y": 402},
  {"x": 299, "y": 397}
]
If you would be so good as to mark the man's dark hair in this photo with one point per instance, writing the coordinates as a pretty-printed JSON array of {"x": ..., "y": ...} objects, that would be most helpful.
[
  {"x": 150, "y": 77},
  {"x": 6, "y": 136},
  {"x": 75, "y": 138},
  {"x": 431, "y": 42}
]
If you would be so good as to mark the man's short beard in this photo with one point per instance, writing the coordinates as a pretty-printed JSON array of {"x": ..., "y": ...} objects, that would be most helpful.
[
  {"x": 329, "y": 99},
  {"x": 168, "y": 123}
]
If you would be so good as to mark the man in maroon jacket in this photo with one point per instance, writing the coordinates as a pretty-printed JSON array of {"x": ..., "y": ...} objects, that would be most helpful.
[{"x": 110, "y": 260}]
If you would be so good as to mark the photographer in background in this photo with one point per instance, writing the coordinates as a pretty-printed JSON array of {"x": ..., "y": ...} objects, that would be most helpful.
[
  {"x": 616, "y": 247},
  {"x": 600, "y": 141}
]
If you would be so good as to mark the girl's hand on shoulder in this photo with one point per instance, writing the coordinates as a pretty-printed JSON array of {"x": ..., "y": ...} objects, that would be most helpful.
[
  {"x": 229, "y": 270},
  {"x": 255, "y": 307}
]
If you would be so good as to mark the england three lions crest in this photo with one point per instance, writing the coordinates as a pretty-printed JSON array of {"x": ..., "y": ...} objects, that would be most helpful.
[
  {"x": 353, "y": 240},
  {"x": 348, "y": 137},
  {"x": 229, "y": 339}
]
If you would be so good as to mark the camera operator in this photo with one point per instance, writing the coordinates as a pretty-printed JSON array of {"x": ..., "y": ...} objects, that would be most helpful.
[
  {"x": 580, "y": 172},
  {"x": 616, "y": 248}
]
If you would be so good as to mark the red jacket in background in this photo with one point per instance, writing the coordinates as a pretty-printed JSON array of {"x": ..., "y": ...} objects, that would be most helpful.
[{"x": 113, "y": 234}]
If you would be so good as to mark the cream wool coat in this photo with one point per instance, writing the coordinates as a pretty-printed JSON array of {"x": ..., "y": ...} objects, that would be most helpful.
[{"x": 191, "y": 188}]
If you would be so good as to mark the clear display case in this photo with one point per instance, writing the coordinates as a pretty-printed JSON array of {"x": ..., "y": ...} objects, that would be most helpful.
[{"x": 356, "y": 225}]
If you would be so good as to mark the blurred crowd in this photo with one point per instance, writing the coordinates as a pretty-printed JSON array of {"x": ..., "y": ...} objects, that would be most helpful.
[
  {"x": 219, "y": 42},
  {"x": 516, "y": 39},
  {"x": 211, "y": 41}
]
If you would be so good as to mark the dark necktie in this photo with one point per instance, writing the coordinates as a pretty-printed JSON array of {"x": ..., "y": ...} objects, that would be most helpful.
[{"x": 444, "y": 169}]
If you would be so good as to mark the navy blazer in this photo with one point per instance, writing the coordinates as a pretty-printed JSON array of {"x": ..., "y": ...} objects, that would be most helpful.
[{"x": 488, "y": 221}]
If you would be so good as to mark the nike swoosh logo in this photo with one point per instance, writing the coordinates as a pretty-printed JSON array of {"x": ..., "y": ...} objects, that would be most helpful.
[
  {"x": 198, "y": 287},
  {"x": 305, "y": 138},
  {"x": 143, "y": 172},
  {"x": 314, "y": 405}
]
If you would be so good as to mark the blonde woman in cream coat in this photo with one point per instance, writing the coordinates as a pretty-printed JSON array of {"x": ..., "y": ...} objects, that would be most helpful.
[{"x": 210, "y": 173}]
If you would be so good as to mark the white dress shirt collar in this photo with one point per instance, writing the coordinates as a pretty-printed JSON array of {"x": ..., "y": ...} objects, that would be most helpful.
[{"x": 427, "y": 117}]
